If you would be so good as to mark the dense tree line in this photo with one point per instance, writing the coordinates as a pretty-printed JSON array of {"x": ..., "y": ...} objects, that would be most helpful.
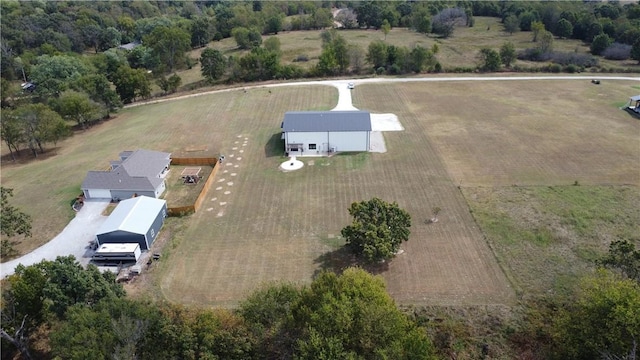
[{"x": 82, "y": 313}]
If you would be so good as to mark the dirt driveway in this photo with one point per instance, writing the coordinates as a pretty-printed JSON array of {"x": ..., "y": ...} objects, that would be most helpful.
[{"x": 73, "y": 240}]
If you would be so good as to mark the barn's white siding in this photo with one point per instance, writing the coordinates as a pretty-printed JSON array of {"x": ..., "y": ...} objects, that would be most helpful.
[
  {"x": 326, "y": 142},
  {"x": 349, "y": 140}
]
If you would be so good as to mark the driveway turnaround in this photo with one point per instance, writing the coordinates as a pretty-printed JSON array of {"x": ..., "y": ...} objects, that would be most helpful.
[{"x": 73, "y": 240}]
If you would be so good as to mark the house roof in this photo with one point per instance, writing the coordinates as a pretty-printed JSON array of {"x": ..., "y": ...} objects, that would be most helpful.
[
  {"x": 135, "y": 215},
  {"x": 145, "y": 162},
  {"x": 119, "y": 180},
  {"x": 137, "y": 170},
  {"x": 320, "y": 121},
  {"x": 130, "y": 46}
]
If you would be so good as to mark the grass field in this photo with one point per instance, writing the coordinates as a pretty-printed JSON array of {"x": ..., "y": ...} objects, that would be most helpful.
[
  {"x": 460, "y": 50},
  {"x": 45, "y": 188},
  {"x": 464, "y": 143}
]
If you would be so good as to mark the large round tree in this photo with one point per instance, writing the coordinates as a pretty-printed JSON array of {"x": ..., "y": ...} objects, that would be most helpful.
[{"x": 377, "y": 230}]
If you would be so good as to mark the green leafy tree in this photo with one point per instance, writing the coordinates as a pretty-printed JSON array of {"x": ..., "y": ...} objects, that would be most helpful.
[
  {"x": 603, "y": 319},
  {"x": 511, "y": 24},
  {"x": 100, "y": 90},
  {"x": 12, "y": 222},
  {"x": 170, "y": 43},
  {"x": 272, "y": 44},
  {"x": 378, "y": 229},
  {"x": 421, "y": 59},
  {"x": 131, "y": 83},
  {"x": 43, "y": 292},
  {"x": 40, "y": 125},
  {"x": 421, "y": 21},
  {"x": 537, "y": 29},
  {"x": 11, "y": 131},
  {"x": 508, "y": 53},
  {"x": 274, "y": 24},
  {"x": 489, "y": 60},
  {"x": 377, "y": 54},
  {"x": 260, "y": 64},
  {"x": 546, "y": 42},
  {"x": 385, "y": 27},
  {"x": 246, "y": 38},
  {"x": 624, "y": 257},
  {"x": 635, "y": 51},
  {"x": 369, "y": 14},
  {"x": 78, "y": 107},
  {"x": 202, "y": 30},
  {"x": 351, "y": 316},
  {"x": 169, "y": 85},
  {"x": 213, "y": 64},
  {"x": 54, "y": 74},
  {"x": 564, "y": 28},
  {"x": 108, "y": 38},
  {"x": 600, "y": 43}
]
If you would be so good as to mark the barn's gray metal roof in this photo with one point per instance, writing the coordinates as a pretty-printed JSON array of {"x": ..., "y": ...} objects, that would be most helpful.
[
  {"x": 138, "y": 170},
  {"x": 135, "y": 215},
  {"x": 320, "y": 121}
]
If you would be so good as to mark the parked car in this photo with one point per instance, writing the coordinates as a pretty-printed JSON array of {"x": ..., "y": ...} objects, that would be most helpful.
[{"x": 351, "y": 85}]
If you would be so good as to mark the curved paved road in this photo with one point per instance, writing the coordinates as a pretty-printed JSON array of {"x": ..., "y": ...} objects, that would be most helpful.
[
  {"x": 73, "y": 240},
  {"x": 342, "y": 84}
]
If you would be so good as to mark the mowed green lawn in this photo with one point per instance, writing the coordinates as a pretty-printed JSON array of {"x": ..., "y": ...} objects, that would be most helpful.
[
  {"x": 45, "y": 188},
  {"x": 260, "y": 225}
]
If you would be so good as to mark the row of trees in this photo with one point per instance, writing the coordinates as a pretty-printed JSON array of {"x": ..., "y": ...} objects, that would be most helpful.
[
  {"x": 30, "y": 29},
  {"x": 85, "y": 315},
  {"x": 81, "y": 313}
]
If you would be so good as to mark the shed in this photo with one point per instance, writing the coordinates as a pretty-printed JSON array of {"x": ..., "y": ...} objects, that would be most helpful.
[
  {"x": 136, "y": 220},
  {"x": 326, "y": 132},
  {"x": 634, "y": 104}
]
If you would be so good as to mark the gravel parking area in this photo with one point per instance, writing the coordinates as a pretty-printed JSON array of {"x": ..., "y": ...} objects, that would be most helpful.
[{"x": 73, "y": 240}]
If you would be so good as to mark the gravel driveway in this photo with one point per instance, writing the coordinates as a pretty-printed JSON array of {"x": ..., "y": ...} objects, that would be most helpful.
[{"x": 73, "y": 240}]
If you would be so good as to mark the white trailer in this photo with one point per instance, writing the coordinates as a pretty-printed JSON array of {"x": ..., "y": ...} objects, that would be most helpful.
[{"x": 118, "y": 252}]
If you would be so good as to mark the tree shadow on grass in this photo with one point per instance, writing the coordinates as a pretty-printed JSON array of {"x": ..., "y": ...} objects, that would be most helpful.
[
  {"x": 342, "y": 258},
  {"x": 275, "y": 146}
]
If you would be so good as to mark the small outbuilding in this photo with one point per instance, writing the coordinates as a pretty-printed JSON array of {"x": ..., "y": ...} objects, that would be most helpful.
[
  {"x": 308, "y": 133},
  {"x": 136, "y": 220},
  {"x": 634, "y": 104}
]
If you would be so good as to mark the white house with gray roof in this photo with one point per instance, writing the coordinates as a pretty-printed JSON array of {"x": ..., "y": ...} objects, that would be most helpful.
[
  {"x": 136, "y": 173},
  {"x": 308, "y": 133}
]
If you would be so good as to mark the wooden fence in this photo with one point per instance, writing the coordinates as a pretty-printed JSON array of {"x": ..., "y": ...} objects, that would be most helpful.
[{"x": 190, "y": 209}]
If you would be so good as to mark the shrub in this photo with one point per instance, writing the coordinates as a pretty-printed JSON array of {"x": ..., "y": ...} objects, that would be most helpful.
[
  {"x": 555, "y": 68},
  {"x": 617, "y": 51},
  {"x": 582, "y": 60},
  {"x": 571, "y": 68}
]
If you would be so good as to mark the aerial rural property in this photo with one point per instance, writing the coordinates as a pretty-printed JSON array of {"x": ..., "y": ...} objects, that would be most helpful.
[{"x": 210, "y": 189}]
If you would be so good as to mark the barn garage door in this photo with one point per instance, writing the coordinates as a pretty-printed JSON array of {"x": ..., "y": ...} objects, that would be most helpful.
[{"x": 99, "y": 194}]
